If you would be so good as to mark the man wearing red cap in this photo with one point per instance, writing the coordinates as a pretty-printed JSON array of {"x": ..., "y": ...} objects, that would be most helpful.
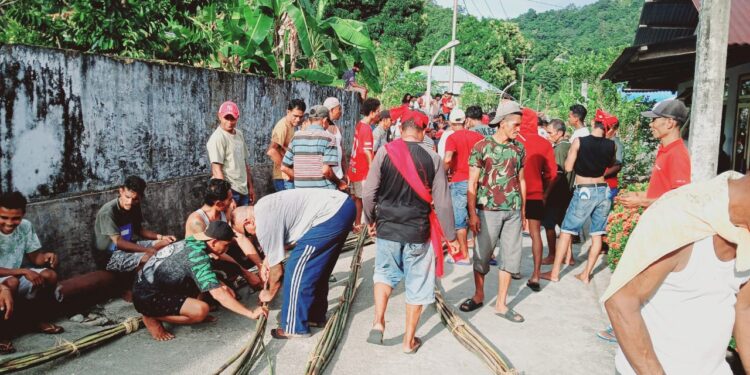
[
  {"x": 228, "y": 155},
  {"x": 610, "y": 175},
  {"x": 540, "y": 173}
]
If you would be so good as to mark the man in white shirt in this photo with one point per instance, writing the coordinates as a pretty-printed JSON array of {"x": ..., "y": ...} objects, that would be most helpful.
[{"x": 576, "y": 118}]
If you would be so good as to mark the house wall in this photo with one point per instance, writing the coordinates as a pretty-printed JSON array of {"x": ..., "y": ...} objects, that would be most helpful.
[{"x": 73, "y": 125}]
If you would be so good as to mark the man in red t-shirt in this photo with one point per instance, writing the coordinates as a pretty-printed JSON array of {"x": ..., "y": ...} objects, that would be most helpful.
[
  {"x": 446, "y": 104},
  {"x": 540, "y": 173},
  {"x": 457, "y": 151},
  {"x": 672, "y": 165},
  {"x": 362, "y": 155}
]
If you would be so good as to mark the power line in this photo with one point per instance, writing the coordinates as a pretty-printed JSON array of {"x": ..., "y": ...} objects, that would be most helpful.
[
  {"x": 477, "y": 8},
  {"x": 548, "y": 4},
  {"x": 492, "y": 14},
  {"x": 503, "y": 8}
]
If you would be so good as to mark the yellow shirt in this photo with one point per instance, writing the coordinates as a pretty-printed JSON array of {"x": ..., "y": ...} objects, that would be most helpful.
[
  {"x": 680, "y": 217},
  {"x": 230, "y": 151},
  {"x": 281, "y": 135}
]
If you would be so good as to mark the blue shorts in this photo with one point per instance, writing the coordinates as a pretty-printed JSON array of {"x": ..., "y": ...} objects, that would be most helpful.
[
  {"x": 281, "y": 184},
  {"x": 241, "y": 199},
  {"x": 460, "y": 204},
  {"x": 588, "y": 202},
  {"x": 414, "y": 262}
]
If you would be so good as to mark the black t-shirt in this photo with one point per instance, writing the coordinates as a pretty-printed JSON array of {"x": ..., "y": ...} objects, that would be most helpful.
[
  {"x": 112, "y": 219},
  {"x": 181, "y": 268},
  {"x": 402, "y": 214},
  {"x": 595, "y": 154}
]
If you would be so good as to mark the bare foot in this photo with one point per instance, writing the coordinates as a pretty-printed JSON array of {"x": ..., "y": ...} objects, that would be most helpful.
[
  {"x": 572, "y": 262},
  {"x": 584, "y": 279},
  {"x": 548, "y": 276},
  {"x": 156, "y": 329},
  {"x": 210, "y": 319},
  {"x": 548, "y": 260}
]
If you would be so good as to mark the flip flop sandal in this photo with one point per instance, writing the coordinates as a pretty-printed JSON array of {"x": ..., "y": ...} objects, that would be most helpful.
[
  {"x": 415, "y": 348},
  {"x": 7, "y": 348},
  {"x": 533, "y": 285},
  {"x": 470, "y": 305},
  {"x": 516, "y": 276},
  {"x": 279, "y": 334},
  {"x": 511, "y": 316},
  {"x": 375, "y": 337},
  {"x": 316, "y": 324},
  {"x": 607, "y": 335}
]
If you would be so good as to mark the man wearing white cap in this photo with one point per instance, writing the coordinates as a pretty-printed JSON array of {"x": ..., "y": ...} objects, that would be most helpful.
[
  {"x": 228, "y": 155},
  {"x": 334, "y": 114},
  {"x": 457, "y": 150}
]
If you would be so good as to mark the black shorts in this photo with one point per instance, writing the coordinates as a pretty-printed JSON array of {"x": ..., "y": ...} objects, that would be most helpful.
[
  {"x": 155, "y": 303},
  {"x": 534, "y": 209}
]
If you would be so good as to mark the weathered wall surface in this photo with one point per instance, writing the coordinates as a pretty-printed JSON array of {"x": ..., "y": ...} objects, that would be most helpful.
[
  {"x": 73, "y": 122},
  {"x": 73, "y": 125}
]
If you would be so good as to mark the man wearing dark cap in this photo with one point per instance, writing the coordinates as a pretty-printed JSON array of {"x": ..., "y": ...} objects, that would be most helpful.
[
  {"x": 672, "y": 165},
  {"x": 313, "y": 224},
  {"x": 167, "y": 287},
  {"x": 117, "y": 223},
  {"x": 312, "y": 154},
  {"x": 228, "y": 155}
]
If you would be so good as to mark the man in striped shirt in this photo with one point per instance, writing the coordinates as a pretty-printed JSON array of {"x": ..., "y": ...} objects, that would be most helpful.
[{"x": 312, "y": 154}]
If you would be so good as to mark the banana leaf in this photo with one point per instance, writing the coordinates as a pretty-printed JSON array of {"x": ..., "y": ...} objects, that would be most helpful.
[
  {"x": 259, "y": 22},
  {"x": 350, "y": 32},
  {"x": 306, "y": 27}
]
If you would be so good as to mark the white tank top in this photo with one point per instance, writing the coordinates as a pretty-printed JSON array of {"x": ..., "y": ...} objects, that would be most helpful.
[{"x": 691, "y": 316}]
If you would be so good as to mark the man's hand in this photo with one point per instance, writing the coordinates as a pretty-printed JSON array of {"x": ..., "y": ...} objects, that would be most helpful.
[
  {"x": 265, "y": 271},
  {"x": 35, "y": 278},
  {"x": 251, "y": 194},
  {"x": 630, "y": 200},
  {"x": 453, "y": 248},
  {"x": 343, "y": 185},
  {"x": 170, "y": 238},
  {"x": 158, "y": 245},
  {"x": 265, "y": 296},
  {"x": 6, "y": 302},
  {"x": 50, "y": 259},
  {"x": 260, "y": 311},
  {"x": 474, "y": 223},
  {"x": 372, "y": 230}
]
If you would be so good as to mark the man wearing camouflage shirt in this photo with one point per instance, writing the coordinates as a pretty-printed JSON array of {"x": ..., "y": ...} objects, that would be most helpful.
[{"x": 497, "y": 191}]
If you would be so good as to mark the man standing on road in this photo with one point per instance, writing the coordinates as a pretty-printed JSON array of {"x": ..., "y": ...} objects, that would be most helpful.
[
  {"x": 457, "y": 151},
  {"x": 362, "y": 155},
  {"x": 559, "y": 198},
  {"x": 314, "y": 223},
  {"x": 589, "y": 156},
  {"x": 404, "y": 182},
  {"x": 680, "y": 290},
  {"x": 281, "y": 136},
  {"x": 228, "y": 155},
  {"x": 540, "y": 172},
  {"x": 672, "y": 165},
  {"x": 576, "y": 118},
  {"x": 312, "y": 155},
  {"x": 496, "y": 193},
  {"x": 334, "y": 114}
]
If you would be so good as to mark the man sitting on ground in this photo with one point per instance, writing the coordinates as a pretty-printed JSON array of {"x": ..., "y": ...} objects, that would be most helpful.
[
  {"x": 217, "y": 205},
  {"x": 18, "y": 239},
  {"x": 312, "y": 222},
  {"x": 167, "y": 286},
  {"x": 116, "y": 223}
]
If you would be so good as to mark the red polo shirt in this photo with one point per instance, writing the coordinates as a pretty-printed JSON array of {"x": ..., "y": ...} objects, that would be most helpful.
[{"x": 671, "y": 169}]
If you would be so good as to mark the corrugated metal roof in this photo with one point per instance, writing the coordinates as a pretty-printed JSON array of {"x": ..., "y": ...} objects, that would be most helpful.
[{"x": 739, "y": 26}]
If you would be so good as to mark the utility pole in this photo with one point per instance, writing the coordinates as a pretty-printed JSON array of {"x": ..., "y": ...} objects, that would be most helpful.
[
  {"x": 708, "y": 87},
  {"x": 453, "y": 49},
  {"x": 523, "y": 75}
]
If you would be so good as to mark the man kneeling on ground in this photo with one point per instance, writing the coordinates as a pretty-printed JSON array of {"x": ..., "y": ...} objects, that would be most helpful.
[
  {"x": 166, "y": 287},
  {"x": 17, "y": 238},
  {"x": 116, "y": 223}
]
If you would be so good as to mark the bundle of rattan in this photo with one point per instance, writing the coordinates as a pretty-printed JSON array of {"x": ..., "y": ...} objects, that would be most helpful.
[
  {"x": 353, "y": 240},
  {"x": 469, "y": 338},
  {"x": 334, "y": 329},
  {"x": 93, "y": 340},
  {"x": 250, "y": 353}
]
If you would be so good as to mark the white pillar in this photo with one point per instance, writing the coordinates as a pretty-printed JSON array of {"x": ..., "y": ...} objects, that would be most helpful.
[{"x": 708, "y": 87}]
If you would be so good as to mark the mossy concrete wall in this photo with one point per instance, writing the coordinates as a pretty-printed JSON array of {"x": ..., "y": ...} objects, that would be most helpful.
[{"x": 73, "y": 125}]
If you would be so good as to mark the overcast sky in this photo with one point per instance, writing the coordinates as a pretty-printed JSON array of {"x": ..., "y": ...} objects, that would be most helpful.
[{"x": 513, "y": 8}]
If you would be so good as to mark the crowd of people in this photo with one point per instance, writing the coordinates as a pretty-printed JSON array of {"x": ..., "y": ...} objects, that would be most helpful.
[{"x": 423, "y": 178}]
